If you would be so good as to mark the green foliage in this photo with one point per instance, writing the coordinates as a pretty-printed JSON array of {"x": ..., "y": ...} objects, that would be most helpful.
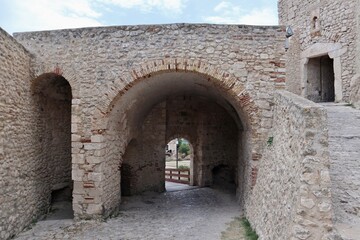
[
  {"x": 184, "y": 147},
  {"x": 250, "y": 234},
  {"x": 270, "y": 141},
  {"x": 182, "y": 167}
]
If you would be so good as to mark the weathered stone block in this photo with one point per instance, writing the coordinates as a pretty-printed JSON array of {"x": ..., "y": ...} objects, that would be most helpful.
[
  {"x": 93, "y": 146},
  {"x": 94, "y": 209},
  {"x": 97, "y": 138},
  {"x": 77, "y": 175}
]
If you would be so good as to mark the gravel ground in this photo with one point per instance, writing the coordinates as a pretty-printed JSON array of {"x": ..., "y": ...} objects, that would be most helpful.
[{"x": 201, "y": 213}]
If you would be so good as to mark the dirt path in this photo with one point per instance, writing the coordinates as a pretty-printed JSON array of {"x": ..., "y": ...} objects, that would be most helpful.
[
  {"x": 235, "y": 231},
  {"x": 201, "y": 213}
]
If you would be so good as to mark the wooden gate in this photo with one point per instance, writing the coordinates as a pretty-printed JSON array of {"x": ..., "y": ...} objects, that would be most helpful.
[{"x": 177, "y": 175}]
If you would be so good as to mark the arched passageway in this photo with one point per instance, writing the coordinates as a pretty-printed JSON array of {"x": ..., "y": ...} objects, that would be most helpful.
[
  {"x": 211, "y": 130},
  {"x": 179, "y": 162},
  {"x": 167, "y": 105},
  {"x": 52, "y": 96}
]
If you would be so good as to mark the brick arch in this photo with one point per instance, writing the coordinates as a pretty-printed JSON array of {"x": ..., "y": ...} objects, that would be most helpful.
[
  {"x": 185, "y": 136},
  {"x": 116, "y": 132},
  {"x": 179, "y": 135},
  {"x": 225, "y": 81},
  {"x": 66, "y": 72},
  {"x": 38, "y": 82}
]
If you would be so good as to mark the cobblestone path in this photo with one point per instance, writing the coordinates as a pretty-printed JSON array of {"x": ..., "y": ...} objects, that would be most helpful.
[
  {"x": 344, "y": 148},
  {"x": 201, "y": 213}
]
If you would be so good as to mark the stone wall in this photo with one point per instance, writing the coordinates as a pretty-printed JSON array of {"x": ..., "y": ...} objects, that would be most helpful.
[
  {"x": 357, "y": 12},
  {"x": 145, "y": 162},
  {"x": 35, "y": 152},
  {"x": 52, "y": 98},
  {"x": 242, "y": 65},
  {"x": 210, "y": 129},
  {"x": 320, "y": 28},
  {"x": 355, "y": 81},
  {"x": 20, "y": 188},
  {"x": 291, "y": 199}
]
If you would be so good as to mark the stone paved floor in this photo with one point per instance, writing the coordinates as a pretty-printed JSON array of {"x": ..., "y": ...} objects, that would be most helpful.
[
  {"x": 344, "y": 148},
  {"x": 201, "y": 213}
]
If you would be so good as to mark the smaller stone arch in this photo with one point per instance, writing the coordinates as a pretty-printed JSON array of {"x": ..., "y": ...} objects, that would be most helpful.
[
  {"x": 52, "y": 97},
  {"x": 46, "y": 80},
  {"x": 179, "y": 135},
  {"x": 191, "y": 141},
  {"x": 64, "y": 71}
]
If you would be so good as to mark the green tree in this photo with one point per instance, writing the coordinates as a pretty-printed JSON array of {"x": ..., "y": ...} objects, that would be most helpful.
[{"x": 184, "y": 147}]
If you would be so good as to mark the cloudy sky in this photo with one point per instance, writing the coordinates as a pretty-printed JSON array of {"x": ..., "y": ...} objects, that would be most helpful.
[{"x": 33, "y": 15}]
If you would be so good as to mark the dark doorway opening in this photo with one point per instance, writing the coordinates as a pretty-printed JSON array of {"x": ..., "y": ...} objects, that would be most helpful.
[
  {"x": 224, "y": 177},
  {"x": 61, "y": 204},
  {"x": 321, "y": 79},
  {"x": 53, "y": 96}
]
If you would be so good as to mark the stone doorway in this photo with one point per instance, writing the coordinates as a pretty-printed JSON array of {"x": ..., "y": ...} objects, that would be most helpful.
[
  {"x": 188, "y": 106},
  {"x": 322, "y": 61},
  {"x": 321, "y": 79},
  {"x": 179, "y": 157},
  {"x": 53, "y": 96},
  {"x": 209, "y": 127}
]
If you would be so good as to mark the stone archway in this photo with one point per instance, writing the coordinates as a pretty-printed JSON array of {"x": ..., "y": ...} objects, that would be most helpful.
[
  {"x": 211, "y": 129},
  {"x": 173, "y": 153},
  {"x": 122, "y": 110}
]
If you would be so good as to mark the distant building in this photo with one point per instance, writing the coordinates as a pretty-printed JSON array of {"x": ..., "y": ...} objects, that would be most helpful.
[{"x": 171, "y": 147}]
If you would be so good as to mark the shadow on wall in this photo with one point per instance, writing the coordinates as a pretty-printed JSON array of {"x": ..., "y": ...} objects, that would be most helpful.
[
  {"x": 172, "y": 104},
  {"x": 52, "y": 95},
  {"x": 224, "y": 177},
  {"x": 126, "y": 170}
]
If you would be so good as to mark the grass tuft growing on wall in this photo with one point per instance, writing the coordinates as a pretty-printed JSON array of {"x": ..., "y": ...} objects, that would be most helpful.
[
  {"x": 239, "y": 229},
  {"x": 250, "y": 233}
]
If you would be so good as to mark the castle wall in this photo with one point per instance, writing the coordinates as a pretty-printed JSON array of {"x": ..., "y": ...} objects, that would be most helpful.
[
  {"x": 20, "y": 188},
  {"x": 117, "y": 74},
  {"x": 242, "y": 64},
  {"x": 355, "y": 81},
  {"x": 296, "y": 164},
  {"x": 146, "y": 163},
  {"x": 320, "y": 28},
  {"x": 209, "y": 128},
  {"x": 357, "y": 17},
  {"x": 35, "y": 150}
]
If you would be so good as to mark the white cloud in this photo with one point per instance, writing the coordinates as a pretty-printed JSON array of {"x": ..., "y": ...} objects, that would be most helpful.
[
  {"x": 167, "y": 6},
  {"x": 221, "y": 6},
  {"x": 228, "y": 13},
  {"x": 33, "y": 15},
  {"x": 263, "y": 16},
  {"x": 44, "y": 14}
]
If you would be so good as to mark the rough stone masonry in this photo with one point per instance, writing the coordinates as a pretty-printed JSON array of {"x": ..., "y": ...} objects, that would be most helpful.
[{"x": 107, "y": 96}]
